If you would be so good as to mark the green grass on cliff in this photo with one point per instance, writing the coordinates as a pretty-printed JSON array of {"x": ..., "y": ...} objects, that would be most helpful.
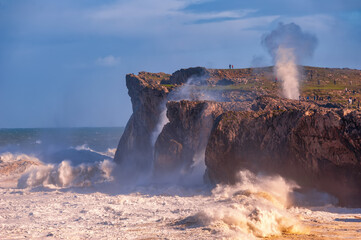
[
  {"x": 168, "y": 85},
  {"x": 338, "y": 84},
  {"x": 325, "y": 87}
]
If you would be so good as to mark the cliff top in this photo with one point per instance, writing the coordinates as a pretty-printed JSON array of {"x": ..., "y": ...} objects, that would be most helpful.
[{"x": 333, "y": 85}]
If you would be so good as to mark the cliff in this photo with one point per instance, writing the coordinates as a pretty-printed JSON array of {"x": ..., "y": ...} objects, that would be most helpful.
[
  {"x": 147, "y": 96},
  {"x": 315, "y": 146},
  {"x": 231, "y": 120}
]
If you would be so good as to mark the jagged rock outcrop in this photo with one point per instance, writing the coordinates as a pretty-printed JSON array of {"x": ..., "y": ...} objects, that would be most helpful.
[
  {"x": 183, "y": 140},
  {"x": 147, "y": 95},
  {"x": 317, "y": 147},
  {"x": 234, "y": 119}
]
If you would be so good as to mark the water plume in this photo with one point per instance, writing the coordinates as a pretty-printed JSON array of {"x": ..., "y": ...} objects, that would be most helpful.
[
  {"x": 289, "y": 46},
  {"x": 257, "y": 206},
  {"x": 189, "y": 166}
]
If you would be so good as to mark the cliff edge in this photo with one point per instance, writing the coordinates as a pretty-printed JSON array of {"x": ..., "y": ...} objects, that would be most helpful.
[{"x": 233, "y": 119}]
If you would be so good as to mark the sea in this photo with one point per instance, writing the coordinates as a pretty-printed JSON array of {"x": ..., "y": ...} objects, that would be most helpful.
[
  {"x": 62, "y": 183},
  {"x": 53, "y": 145}
]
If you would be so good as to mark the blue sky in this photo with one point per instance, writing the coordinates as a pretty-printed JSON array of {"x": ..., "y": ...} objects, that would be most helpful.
[{"x": 63, "y": 63}]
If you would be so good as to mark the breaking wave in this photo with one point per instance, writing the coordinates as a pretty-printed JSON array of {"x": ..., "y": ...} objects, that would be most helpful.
[
  {"x": 13, "y": 164},
  {"x": 109, "y": 153},
  {"x": 258, "y": 206},
  {"x": 66, "y": 175},
  {"x": 28, "y": 171}
]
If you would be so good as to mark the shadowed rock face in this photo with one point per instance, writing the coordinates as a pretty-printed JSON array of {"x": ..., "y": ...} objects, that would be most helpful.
[
  {"x": 135, "y": 146},
  {"x": 317, "y": 144},
  {"x": 148, "y": 96},
  {"x": 185, "y": 137},
  {"x": 316, "y": 147}
]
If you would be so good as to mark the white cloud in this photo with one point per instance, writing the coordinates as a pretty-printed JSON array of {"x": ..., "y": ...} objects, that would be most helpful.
[
  {"x": 152, "y": 17},
  {"x": 130, "y": 19},
  {"x": 108, "y": 61}
]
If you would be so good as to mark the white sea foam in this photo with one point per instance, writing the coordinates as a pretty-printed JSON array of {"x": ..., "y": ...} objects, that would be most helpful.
[
  {"x": 109, "y": 153},
  {"x": 66, "y": 175},
  {"x": 257, "y": 206},
  {"x": 96, "y": 215},
  {"x": 13, "y": 157},
  {"x": 28, "y": 171},
  {"x": 254, "y": 207}
]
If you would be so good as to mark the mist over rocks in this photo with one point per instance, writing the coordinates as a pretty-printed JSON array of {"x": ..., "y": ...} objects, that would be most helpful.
[
  {"x": 147, "y": 95},
  {"x": 235, "y": 119},
  {"x": 183, "y": 141}
]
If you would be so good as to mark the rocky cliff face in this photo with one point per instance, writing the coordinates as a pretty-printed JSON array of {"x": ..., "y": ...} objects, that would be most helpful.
[
  {"x": 147, "y": 95},
  {"x": 183, "y": 140},
  {"x": 317, "y": 147},
  {"x": 233, "y": 120}
]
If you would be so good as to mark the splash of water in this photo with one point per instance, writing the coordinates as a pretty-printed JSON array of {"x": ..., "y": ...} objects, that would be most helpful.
[
  {"x": 257, "y": 206},
  {"x": 66, "y": 175},
  {"x": 109, "y": 153},
  {"x": 162, "y": 121},
  {"x": 289, "y": 46},
  {"x": 286, "y": 70}
]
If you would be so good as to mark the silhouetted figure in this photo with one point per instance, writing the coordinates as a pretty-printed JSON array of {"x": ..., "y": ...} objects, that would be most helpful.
[{"x": 232, "y": 67}]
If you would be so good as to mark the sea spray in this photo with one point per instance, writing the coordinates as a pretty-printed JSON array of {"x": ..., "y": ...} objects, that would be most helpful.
[
  {"x": 286, "y": 70},
  {"x": 66, "y": 175},
  {"x": 193, "y": 91},
  {"x": 257, "y": 206},
  {"x": 110, "y": 152},
  {"x": 190, "y": 90},
  {"x": 162, "y": 121},
  {"x": 289, "y": 46}
]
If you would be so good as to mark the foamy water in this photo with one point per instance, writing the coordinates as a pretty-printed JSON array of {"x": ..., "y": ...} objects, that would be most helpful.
[
  {"x": 55, "y": 203},
  {"x": 24, "y": 171},
  {"x": 84, "y": 196}
]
